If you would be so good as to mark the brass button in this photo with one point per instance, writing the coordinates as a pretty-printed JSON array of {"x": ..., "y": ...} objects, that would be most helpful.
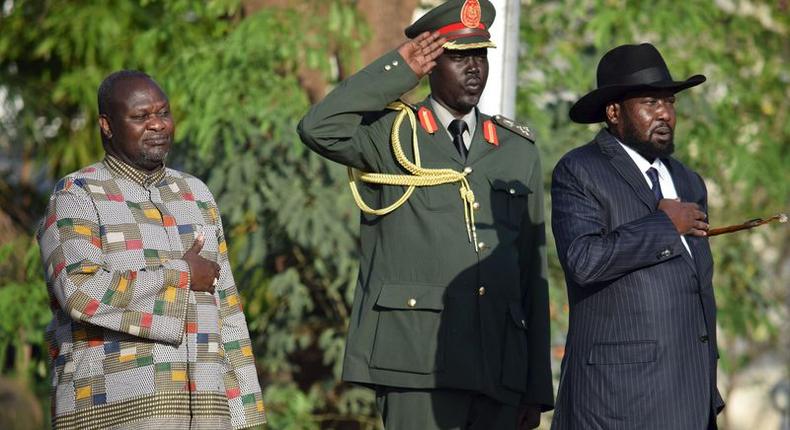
[
  {"x": 481, "y": 245},
  {"x": 467, "y": 170},
  {"x": 387, "y": 67},
  {"x": 475, "y": 205},
  {"x": 395, "y": 63},
  {"x": 512, "y": 191},
  {"x": 412, "y": 302},
  {"x": 481, "y": 291}
]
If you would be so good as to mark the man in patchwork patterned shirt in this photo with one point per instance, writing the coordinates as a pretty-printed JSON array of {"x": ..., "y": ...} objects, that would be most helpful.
[{"x": 147, "y": 329}]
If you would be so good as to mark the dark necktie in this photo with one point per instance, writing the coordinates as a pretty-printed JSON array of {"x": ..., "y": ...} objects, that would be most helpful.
[
  {"x": 652, "y": 173},
  {"x": 457, "y": 128}
]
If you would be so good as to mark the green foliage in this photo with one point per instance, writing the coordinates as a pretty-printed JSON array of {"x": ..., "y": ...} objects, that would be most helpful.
[
  {"x": 24, "y": 307},
  {"x": 292, "y": 410}
]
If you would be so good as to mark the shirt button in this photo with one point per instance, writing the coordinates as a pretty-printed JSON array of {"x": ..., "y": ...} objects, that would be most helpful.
[
  {"x": 395, "y": 63},
  {"x": 387, "y": 67},
  {"x": 512, "y": 191},
  {"x": 412, "y": 302},
  {"x": 476, "y": 205},
  {"x": 481, "y": 291},
  {"x": 703, "y": 338},
  {"x": 467, "y": 170}
]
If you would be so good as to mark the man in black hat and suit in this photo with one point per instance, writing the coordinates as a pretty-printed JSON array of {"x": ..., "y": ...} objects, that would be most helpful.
[
  {"x": 630, "y": 225},
  {"x": 450, "y": 320}
]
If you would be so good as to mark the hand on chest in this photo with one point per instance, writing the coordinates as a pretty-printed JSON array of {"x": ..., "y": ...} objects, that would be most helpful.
[{"x": 146, "y": 227}]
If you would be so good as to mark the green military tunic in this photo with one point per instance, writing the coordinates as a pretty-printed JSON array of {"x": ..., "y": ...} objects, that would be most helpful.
[{"x": 429, "y": 310}]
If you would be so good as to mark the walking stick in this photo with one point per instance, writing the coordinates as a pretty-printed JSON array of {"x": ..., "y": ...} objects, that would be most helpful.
[{"x": 747, "y": 225}]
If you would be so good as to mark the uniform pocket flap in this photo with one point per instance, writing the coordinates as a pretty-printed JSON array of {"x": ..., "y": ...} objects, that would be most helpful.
[
  {"x": 623, "y": 352},
  {"x": 519, "y": 318},
  {"x": 512, "y": 187},
  {"x": 411, "y": 297}
]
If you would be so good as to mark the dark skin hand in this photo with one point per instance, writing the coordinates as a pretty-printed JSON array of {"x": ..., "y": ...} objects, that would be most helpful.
[
  {"x": 202, "y": 272},
  {"x": 528, "y": 416},
  {"x": 421, "y": 52},
  {"x": 686, "y": 217}
]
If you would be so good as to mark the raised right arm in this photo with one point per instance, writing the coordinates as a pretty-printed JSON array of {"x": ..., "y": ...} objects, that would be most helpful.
[{"x": 333, "y": 127}]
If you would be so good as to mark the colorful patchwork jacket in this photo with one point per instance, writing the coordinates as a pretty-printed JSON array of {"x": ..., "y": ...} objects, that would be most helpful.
[{"x": 132, "y": 345}]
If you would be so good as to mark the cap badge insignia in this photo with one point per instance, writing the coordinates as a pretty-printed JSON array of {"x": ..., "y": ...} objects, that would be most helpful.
[{"x": 471, "y": 14}]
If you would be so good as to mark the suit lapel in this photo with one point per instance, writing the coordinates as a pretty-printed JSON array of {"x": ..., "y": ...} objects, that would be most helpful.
[
  {"x": 440, "y": 139},
  {"x": 683, "y": 187},
  {"x": 479, "y": 147},
  {"x": 626, "y": 167}
]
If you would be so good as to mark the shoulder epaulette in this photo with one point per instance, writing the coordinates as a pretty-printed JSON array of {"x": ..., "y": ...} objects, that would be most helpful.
[{"x": 519, "y": 129}]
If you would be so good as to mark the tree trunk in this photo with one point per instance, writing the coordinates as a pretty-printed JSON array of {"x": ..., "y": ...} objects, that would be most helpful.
[{"x": 386, "y": 21}]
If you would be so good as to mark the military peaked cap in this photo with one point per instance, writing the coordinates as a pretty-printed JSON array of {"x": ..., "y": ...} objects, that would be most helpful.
[{"x": 464, "y": 23}]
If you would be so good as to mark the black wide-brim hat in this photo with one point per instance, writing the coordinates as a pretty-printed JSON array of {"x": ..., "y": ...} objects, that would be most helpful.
[{"x": 626, "y": 69}]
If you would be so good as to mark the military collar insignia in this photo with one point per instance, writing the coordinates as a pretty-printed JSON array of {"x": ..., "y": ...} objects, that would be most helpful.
[
  {"x": 519, "y": 129},
  {"x": 427, "y": 121},
  {"x": 471, "y": 13},
  {"x": 489, "y": 133}
]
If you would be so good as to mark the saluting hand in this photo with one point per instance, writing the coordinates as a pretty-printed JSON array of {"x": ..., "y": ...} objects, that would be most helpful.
[
  {"x": 203, "y": 273},
  {"x": 421, "y": 52},
  {"x": 686, "y": 217}
]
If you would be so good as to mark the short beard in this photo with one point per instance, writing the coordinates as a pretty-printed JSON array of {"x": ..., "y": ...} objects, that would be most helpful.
[
  {"x": 154, "y": 158},
  {"x": 645, "y": 148},
  {"x": 150, "y": 162}
]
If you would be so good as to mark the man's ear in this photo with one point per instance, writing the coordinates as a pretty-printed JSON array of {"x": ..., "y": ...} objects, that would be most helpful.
[
  {"x": 613, "y": 110},
  {"x": 104, "y": 125}
]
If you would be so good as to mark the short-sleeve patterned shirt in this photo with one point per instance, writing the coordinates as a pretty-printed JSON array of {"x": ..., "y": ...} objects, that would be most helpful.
[{"x": 132, "y": 346}]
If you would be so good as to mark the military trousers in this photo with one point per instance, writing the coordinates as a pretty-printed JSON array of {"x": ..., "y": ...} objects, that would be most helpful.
[{"x": 442, "y": 409}]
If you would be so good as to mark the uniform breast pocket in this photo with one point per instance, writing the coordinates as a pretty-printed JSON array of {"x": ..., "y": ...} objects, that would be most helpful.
[{"x": 508, "y": 201}]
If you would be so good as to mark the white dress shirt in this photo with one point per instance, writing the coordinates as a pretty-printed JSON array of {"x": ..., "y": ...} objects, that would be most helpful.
[
  {"x": 664, "y": 178},
  {"x": 445, "y": 118}
]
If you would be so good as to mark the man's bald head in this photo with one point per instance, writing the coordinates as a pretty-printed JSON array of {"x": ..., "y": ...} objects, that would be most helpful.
[{"x": 110, "y": 84}]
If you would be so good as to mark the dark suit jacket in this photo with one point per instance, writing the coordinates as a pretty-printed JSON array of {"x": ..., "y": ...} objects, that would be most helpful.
[
  {"x": 479, "y": 321},
  {"x": 641, "y": 346}
]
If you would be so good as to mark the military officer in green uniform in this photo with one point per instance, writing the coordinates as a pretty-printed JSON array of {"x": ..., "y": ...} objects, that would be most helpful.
[{"x": 450, "y": 318}]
